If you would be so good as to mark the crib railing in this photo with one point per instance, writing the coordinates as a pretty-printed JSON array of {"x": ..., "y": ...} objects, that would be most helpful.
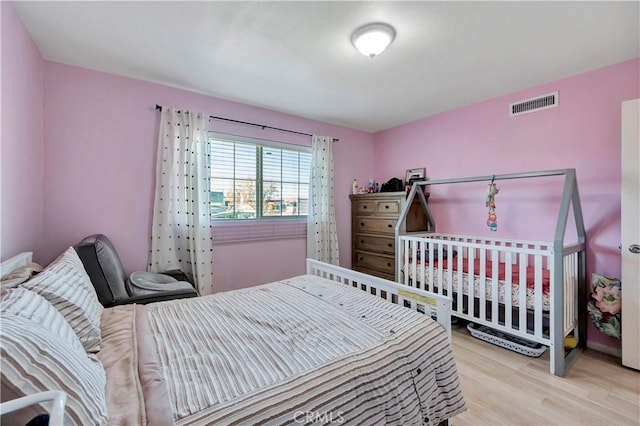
[
  {"x": 570, "y": 284},
  {"x": 495, "y": 282},
  {"x": 436, "y": 306}
]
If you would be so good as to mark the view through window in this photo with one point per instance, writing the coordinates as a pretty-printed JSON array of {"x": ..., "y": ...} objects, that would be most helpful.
[{"x": 254, "y": 180}]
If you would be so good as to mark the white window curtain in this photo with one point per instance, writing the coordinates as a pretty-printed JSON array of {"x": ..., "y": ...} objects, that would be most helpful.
[
  {"x": 322, "y": 238},
  {"x": 181, "y": 235}
]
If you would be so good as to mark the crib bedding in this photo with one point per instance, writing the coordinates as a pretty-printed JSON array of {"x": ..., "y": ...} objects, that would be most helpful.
[
  {"x": 502, "y": 285},
  {"x": 277, "y": 354}
]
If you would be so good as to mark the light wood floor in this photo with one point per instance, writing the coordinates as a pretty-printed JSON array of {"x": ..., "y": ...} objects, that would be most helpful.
[{"x": 502, "y": 387}]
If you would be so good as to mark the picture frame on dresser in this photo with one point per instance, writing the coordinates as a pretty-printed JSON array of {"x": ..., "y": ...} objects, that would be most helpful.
[{"x": 413, "y": 175}]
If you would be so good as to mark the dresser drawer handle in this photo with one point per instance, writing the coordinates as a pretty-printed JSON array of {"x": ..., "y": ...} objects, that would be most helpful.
[
  {"x": 361, "y": 241},
  {"x": 388, "y": 264},
  {"x": 361, "y": 223},
  {"x": 364, "y": 207},
  {"x": 390, "y": 225},
  {"x": 390, "y": 244},
  {"x": 386, "y": 206},
  {"x": 361, "y": 259}
]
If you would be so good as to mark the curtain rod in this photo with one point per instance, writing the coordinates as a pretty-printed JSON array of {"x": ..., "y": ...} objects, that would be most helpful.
[{"x": 159, "y": 108}]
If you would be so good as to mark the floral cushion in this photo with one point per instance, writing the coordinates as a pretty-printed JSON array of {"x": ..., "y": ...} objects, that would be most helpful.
[{"x": 605, "y": 306}]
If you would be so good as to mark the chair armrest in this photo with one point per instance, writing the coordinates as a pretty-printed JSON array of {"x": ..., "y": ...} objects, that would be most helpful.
[
  {"x": 178, "y": 275},
  {"x": 56, "y": 417},
  {"x": 156, "y": 297}
]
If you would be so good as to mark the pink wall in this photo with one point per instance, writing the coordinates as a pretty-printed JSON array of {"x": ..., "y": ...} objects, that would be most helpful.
[
  {"x": 583, "y": 132},
  {"x": 100, "y": 148},
  {"x": 98, "y": 134},
  {"x": 21, "y": 143}
]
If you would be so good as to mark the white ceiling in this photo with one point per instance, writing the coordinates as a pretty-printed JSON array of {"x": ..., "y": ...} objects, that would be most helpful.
[{"x": 296, "y": 57}]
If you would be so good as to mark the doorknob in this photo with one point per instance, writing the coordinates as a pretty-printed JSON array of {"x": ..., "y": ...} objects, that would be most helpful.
[{"x": 634, "y": 248}]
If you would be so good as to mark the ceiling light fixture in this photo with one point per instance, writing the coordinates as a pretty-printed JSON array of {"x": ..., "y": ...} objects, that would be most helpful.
[{"x": 372, "y": 39}]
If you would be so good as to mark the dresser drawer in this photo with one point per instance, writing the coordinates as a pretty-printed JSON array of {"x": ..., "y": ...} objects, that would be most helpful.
[
  {"x": 375, "y": 243},
  {"x": 380, "y": 225},
  {"x": 388, "y": 207},
  {"x": 379, "y": 262},
  {"x": 366, "y": 207}
]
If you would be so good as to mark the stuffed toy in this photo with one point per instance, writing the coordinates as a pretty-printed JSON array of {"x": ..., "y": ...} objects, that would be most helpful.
[
  {"x": 492, "y": 221},
  {"x": 492, "y": 190}
]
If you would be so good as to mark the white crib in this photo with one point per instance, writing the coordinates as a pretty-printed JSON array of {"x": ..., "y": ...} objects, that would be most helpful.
[{"x": 529, "y": 289}]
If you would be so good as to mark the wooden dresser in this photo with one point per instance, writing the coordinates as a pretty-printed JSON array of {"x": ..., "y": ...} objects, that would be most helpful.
[{"x": 373, "y": 224}]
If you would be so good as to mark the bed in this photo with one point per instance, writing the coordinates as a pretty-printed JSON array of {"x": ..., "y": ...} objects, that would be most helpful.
[
  {"x": 533, "y": 290},
  {"x": 333, "y": 345}
]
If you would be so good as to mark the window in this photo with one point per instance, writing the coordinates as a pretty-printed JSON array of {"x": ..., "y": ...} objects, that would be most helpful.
[{"x": 253, "y": 179}]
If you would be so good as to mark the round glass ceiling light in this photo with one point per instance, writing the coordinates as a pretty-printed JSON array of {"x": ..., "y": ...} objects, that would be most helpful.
[{"x": 372, "y": 39}]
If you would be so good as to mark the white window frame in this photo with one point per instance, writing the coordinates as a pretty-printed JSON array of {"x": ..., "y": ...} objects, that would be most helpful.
[{"x": 263, "y": 227}]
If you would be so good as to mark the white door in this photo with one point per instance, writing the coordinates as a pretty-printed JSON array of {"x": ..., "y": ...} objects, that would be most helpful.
[{"x": 631, "y": 233}]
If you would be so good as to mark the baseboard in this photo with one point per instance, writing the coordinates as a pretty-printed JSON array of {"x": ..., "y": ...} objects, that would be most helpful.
[{"x": 617, "y": 352}]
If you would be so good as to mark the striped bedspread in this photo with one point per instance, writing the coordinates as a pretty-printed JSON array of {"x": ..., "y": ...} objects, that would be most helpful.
[{"x": 303, "y": 351}]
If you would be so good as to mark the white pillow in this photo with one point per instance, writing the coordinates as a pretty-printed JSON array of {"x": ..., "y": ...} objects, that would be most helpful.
[
  {"x": 66, "y": 285},
  {"x": 40, "y": 352},
  {"x": 33, "y": 307}
]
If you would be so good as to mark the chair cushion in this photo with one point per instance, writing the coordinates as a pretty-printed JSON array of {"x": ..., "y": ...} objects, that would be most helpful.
[
  {"x": 141, "y": 283},
  {"x": 65, "y": 284},
  {"x": 104, "y": 268}
]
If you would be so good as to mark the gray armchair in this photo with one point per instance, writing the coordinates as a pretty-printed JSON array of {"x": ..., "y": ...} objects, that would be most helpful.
[{"x": 103, "y": 265}]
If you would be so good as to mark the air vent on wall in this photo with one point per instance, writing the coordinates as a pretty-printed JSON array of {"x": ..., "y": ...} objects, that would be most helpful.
[{"x": 534, "y": 104}]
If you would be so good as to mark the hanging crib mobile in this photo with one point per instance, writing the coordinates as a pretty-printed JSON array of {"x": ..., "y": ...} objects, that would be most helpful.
[{"x": 492, "y": 190}]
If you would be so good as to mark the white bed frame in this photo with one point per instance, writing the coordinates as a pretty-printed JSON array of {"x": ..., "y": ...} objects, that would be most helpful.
[
  {"x": 437, "y": 306},
  {"x": 565, "y": 263},
  {"x": 56, "y": 413}
]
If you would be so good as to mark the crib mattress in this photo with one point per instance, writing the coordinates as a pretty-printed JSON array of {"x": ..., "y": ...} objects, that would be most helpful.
[{"x": 502, "y": 286}]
